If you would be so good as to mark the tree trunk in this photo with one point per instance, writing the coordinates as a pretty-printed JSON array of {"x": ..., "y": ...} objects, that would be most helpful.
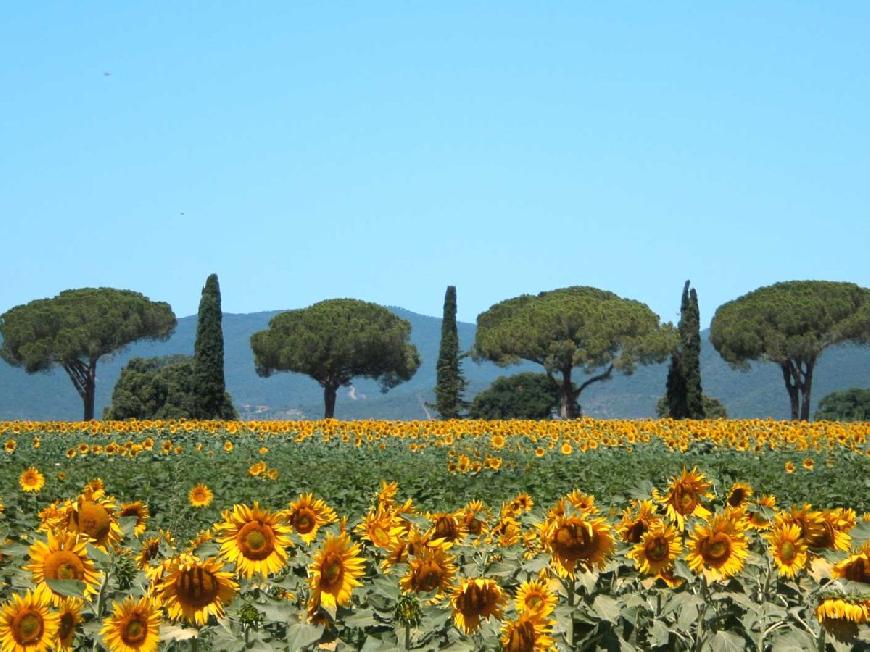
[
  {"x": 806, "y": 389},
  {"x": 567, "y": 396},
  {"x": 84, "y": 378},
  {"x": 330, "y": 391},
  {"x": 791, "y": 385}
]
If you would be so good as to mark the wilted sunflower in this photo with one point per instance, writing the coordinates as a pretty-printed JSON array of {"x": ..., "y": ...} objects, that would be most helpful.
[
  {"x": 738, "y": 495},
  {"x": 636, "y": 519},
  {"x": 192, "y": 589},
  {"x": 134, "y": 626},
  {"x": 255, "y": 539},
  {"x": 446, "y": 526},
  {"x": 527, "y": 634},
  {"x": 474, "y": 600},
  {"x": 335, "y": 571},
  {"x": 577, "y": 542},
  {"x": 657, "y": 549},
  {"x": 841, "y": 616},
  {"x": 64, "y": 556},
  {"x": 140, "y": 511},
  {"x": 855, "y": 568},
  {"x": 69, "y": 617},
  {"x": 31, "y": 480},
  {"x": 430, "y": 569},
  {"x": 200, "y": 496},
  {"x": 789, "y": 550},
  {"x": 307, "y": 515},
  {"x": 93, "y": 514},
  {"x": 718, "y": 548},
  {"x": 684, "y": 497},
  {"x": 27, "y": 623},
  {"x": 536, "y": 599}
]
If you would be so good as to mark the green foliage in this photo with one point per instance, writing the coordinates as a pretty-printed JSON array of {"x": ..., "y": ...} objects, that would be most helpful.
[
  {"x": 77, "y": 328},
  {"x": 335, "y": 341},
  {"x": 450, "y": 382},
  {"x": 684, "y": 393},
  {"x": 790, "y": 324},
  {"x": 154, "y": 388},
  {"x": 848, "y": 405},
  {"x": 573, "y": 327},
  {"x": 713, "y": 408},
  {"x": 522, "y": 396},
  {"x": 212, "y": 400}
]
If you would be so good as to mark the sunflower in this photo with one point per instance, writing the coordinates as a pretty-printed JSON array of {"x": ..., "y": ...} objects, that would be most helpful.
[
  {"x": 69, "y": 618},
  {"x": 470, "y": 517},
  {"x": 140, "y": 511},
  {"x": 789, "y": 550},
  {"x": 536, "y": 599},
  {"x": 307, "y": 515},
  {"x": 255, "y": 539},
  {"x": 430, "y": 569},
  {"x": 27, "y": 623},
  {"x": 684, "y": 497},
  {"x": 134, "y": 626},
  {"x": 739, "y": 493},
  {"x": 200, "y": 496},
  {"x": 193, "y": 589},
  {"x": 789, "y": 467},
  {"x": 756, "y": 518},
  {"x": 31, "y": 480},
  {"x": 64, "y": 556},
  {"x": 841, "y": 616},
  {"x": 506, "y": 532},
  {"x": 446, "y": 526},
  {"x": 719, "y": 547},
  {"x": 527, "y": 634},
  {"x": 811, "y": 523},
  {"x": 657, "y": 550},
  {"x": 380, "y": 527},
  {"x": 94, "y": 514},
  {"x": 335, "y": 571},
  {"x": 637, "y": 519},
  {"x": 474, "y": 600},
  {"x": 387, "y": 493},
  {"x": 257, "y": 469},
  {"x": 833, "y": 533},
  {"x": 577, "y": 542},
  {"x": 10, "y": 446},
  {"x": 855, "y": 568}
]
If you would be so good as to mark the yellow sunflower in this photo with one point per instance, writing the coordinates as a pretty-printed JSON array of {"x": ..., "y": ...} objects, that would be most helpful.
[
  {"x": 31, "y": 480},
  {"x": 474, "y": 600},
  {"x": 200, "y": 496},
  {"x": 94, "y": 514},
  {"x": 841, "y": 616},
  {"x": 788, "y": 549},
  {"x": 430, "y": 569},
  {"x": 140, "y": 511},
  {"x": 447, "y": 527},
  {"x": 381, "y": 527},
  {"x": 254, "y": 539},
  {"x": 193, "y": 589},
  {"x": 335, "y": 571},
  {"x": 718, "y": 548},
  {"x": 684, "y": 497},
  {"x": 739, "y": 493},
  {"x": 470, "y": 515},
  {"x": 527, "y": 634},
  {"x": 833, "y": 533},
  {"x": 636, "y": 520},
  {"x": 10, "y": 446},
  {"x": 576, "y": 542},
  {"x": 657, "y": 550},
  {"x": 27, "y": 623},
  {"x": 536, "y": 599},
  {"x": 134, "y": 626},
  {"x": 855, "y": 568},
  {"x": 69, "y": 618},
  {"x": 64, "y": 556},
  {"x": 307, "y": 515}
]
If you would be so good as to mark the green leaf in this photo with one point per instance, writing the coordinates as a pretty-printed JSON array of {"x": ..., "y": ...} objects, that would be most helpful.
[
  {"x": 606, "y": 607},
  {"x": 659, "y": 633},
  {"x": 73, "y": 588},
  {"x": 724, "y": 641},
  {"x": 300, "y": 635}
]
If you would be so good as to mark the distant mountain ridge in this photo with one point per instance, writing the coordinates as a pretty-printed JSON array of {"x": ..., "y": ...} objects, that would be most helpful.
[{"x": 757, "y": 393}]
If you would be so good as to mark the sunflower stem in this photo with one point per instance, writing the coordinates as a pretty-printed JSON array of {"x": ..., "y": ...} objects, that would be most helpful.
[
  {"x": 569, "y": 588},
  {"x": 822, "y": 643},
  {"x": 699, "y": 634},
  {"x": 407, "y": 636},
  {"x": 194, "y": 644}
]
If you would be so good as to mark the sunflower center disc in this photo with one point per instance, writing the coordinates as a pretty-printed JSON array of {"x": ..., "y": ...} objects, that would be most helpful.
[
  {"x": 304, "y": 522},
  {"x": 331, "y": 570},
  {"x": 787, "y": 551},
  {"x": 256, "y": 541},
  {"x": 29, "y": 628},
  {"x": 657, "y": 550},
  {"x": 135, "y": 632}
]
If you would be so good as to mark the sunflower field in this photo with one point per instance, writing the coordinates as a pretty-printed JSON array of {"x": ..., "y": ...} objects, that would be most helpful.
[{"x": 435, "y": 535}]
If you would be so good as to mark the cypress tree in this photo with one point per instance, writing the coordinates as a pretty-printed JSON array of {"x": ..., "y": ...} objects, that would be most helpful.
[
  {"x": 692, "y": 357},
  {"x": 450, "y": 383},
  {"x": 212, "y": 400},
  {"x": 684, "y": 395}
]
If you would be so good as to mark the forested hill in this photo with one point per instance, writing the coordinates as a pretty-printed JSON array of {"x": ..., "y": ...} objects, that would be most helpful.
[{"x": 758, "y": 393}]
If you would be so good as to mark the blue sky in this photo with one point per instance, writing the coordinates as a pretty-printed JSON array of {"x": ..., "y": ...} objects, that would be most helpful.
[{"x": 382, "y": 151}]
